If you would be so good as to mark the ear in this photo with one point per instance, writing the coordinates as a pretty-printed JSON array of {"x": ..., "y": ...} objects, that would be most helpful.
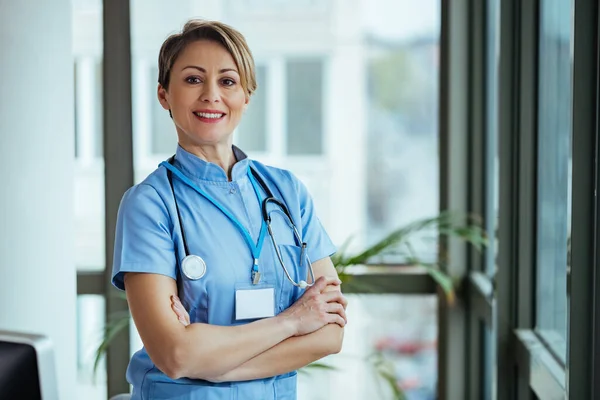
[
  {"x": 163, "y": 97},
  {"x": 247, "y": 102}
]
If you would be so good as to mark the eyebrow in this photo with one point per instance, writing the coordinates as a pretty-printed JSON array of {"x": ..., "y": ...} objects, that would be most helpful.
[{"x": 203, "y": 70}]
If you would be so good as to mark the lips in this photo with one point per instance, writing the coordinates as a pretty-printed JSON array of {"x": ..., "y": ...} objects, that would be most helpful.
[{"x": 209, "y": 116}]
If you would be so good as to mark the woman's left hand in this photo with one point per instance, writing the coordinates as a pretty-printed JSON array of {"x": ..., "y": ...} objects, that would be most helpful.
[{"x": 180, "y": 311}]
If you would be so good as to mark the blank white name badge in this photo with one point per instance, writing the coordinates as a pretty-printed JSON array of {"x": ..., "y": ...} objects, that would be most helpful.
[{"x": 254, "y": 303}]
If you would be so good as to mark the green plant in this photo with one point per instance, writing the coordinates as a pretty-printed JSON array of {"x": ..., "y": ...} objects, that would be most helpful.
[{"x": 398, "y": 243}]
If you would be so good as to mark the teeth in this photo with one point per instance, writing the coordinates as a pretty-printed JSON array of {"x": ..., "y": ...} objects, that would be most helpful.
[{"x": 208, "y": 115}]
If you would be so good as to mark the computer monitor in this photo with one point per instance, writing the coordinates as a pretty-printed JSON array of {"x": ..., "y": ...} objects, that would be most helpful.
[{"x": 27, "y": 368}]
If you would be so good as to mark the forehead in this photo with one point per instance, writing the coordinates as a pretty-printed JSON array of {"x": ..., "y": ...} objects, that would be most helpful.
[{"x": 206, "y": 54}]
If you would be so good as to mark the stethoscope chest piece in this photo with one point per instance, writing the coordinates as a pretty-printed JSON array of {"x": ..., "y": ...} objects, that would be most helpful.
[{"x": 193, "y": 267}]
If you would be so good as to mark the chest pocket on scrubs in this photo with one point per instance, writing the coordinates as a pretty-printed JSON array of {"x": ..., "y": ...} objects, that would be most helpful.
[
  {"x": 290, "y": 254},
  {"x": 290, "y": 293},
  {"x": 177, "y": 391}
]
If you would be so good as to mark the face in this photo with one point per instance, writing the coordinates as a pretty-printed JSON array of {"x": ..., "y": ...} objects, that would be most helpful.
[{"x": 205, "y": 95}]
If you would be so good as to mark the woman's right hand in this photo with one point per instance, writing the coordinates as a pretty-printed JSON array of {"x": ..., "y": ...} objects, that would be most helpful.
[{"x": 317, "y": 307}]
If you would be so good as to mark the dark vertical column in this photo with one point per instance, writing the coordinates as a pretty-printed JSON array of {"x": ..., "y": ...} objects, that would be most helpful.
[
  {"x": 508, "y": 205},
  {"x": 118, "y": 164},
  {"x": 454, "y": 188},
  {"x": 584, "y": 302},
  {"x": 477, "y": 186}
]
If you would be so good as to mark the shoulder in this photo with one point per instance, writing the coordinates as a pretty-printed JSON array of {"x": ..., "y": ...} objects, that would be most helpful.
[
  {"x": 154, "y": 189},
  {"x": 292, "y": 190},
  {"x": 282, "y": 178}
]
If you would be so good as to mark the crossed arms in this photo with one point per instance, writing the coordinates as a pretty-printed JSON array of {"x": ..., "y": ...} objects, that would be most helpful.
[{"x": 310, "y": 329}]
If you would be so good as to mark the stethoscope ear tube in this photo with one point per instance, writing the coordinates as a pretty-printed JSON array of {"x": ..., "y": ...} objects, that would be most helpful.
[
  {"x": 170, "y": 177},
  {"x": 265, "y": 212}
]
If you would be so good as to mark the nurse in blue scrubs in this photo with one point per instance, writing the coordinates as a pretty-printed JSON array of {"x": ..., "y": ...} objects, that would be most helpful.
[{"x": 223, "y": 259}]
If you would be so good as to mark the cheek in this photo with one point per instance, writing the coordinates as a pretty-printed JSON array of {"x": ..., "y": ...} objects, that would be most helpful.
[
  {"x": 182, "y": 98},
  {"x": 236, "y": 107}
]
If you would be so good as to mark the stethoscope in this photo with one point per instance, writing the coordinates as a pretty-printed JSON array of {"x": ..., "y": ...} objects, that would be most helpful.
[{"x": 194, "y": 266}]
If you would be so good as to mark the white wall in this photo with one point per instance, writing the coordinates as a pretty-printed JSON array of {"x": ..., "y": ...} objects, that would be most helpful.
[{"x": 37, "y": 269}]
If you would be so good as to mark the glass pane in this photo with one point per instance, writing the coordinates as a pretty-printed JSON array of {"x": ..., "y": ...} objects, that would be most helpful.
[
  {"x": 304, "y": 107},
  {"x": 490, "y": 363},
  {"x": 401, "y": 130},
  {"x": 90, "y": 327},
  {"x": 492, "y": 173},
  {"x": 164, "y": 138},
  {"x": 491, "y": 143},
  {"x": 396, "y": 334},
  {"x": 89, "y": 165},
  {"x": 251, "y": 134},
  {"x": 554, "y": 171}
]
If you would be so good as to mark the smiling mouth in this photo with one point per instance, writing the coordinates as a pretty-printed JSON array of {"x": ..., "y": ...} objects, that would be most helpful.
[{"x": 209, "y": 116}]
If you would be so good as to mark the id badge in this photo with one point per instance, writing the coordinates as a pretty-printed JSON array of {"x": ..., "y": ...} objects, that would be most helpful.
[{"x": 253, "y": 303}]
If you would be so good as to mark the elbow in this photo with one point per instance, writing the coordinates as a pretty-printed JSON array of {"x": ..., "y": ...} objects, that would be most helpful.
[
  {"x": 172, "y": 371},
  {"x": 178, "y": 364},
  {"x": 334, "y": 342},
  {"x": 337, "y": 342},
  {"x": 172, "y": 363}
]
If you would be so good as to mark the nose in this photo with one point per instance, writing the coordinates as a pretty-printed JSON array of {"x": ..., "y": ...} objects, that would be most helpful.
[{"x": 210, "y": 92}]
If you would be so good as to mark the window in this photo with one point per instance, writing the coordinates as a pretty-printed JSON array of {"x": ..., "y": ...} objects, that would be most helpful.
[
  {"x": 89, "y": 168},
  {"x": 304, "y": 107},
  {"x": 88, "y": 109},
  {"x": 393, "y": 342},
  {"x": 252, "y": 132},
  {"x": 90, "y": 325},
  {"x": 491, "y": 145},
  {"x": 554, "y": 176},
  {"x": 401, "y": 127},
  {"x": 491, "y": 194},
  {"x": 164, "y": 138},
  {"x": 88, "y": 194}
]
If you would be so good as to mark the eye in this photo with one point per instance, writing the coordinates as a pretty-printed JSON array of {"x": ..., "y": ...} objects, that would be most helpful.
[
  {"x": 193, "y": 79},
  {"x": 228, "y": 82}
]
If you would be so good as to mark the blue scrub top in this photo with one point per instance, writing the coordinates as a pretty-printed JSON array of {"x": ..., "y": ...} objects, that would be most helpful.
[{"x": 148, "y": 239}]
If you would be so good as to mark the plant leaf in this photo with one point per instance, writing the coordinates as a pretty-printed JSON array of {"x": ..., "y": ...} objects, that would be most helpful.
[
  {"x": 116, "y": 325},
  {"x": 445, "y": 283},
  {"x": 447, "y": 223},
  {"x": 316, "y": 366}
]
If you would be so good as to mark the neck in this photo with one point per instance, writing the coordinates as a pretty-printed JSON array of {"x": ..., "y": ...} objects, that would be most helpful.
[{"x": 221, "y": 155}]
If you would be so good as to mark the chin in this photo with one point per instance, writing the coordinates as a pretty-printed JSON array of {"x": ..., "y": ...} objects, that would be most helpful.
[{"x": 210, "y": 137}]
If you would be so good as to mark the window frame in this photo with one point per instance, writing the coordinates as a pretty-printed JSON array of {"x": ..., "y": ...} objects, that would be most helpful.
[{"x": 583, "y": 280}]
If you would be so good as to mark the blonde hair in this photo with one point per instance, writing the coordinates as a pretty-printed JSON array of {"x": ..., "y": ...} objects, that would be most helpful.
[{"x": 197, "y": 29}]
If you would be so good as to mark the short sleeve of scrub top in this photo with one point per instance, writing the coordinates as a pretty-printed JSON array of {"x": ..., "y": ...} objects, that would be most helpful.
[
  {"x": 143, "y": 241},
  {"x": 313, "y": 233}
]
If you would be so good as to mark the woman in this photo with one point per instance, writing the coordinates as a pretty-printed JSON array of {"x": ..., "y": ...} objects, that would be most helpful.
[{"x": 219, "y": 316}]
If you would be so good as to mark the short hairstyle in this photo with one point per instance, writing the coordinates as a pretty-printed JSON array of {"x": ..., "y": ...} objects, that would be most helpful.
[{"x": 197, "y": 29}]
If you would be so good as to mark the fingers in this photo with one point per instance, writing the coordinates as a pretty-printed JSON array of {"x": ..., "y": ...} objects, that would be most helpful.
[
  {"x": 180, "y": 311},
  {"x": 336, "y": 308},
  {"x": 324, "y": 281},
  {"x": 335, "y": 296},
  {"x": 336, "y": 319}
]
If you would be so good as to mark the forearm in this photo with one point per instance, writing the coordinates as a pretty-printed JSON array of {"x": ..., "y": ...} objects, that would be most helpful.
[
  {"x": 206, "y": 351},
  {"x": 289, "y": 355}
]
